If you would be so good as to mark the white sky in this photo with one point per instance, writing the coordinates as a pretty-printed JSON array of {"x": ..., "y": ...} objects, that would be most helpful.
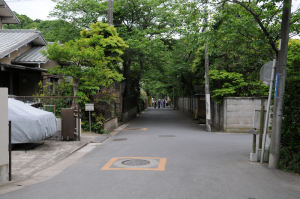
[
  {"x": 39, "y": 9},
  {"x": 35, "y": 9}
]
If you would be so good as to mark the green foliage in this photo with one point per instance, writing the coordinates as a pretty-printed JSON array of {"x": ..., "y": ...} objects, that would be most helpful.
[
  {"x": 225, "y": 84},
  {"x": 80, "y": 12},
  {"x": 290, "y": 138},
  {"x": 236, "y": 43},
  {"x": 93, "y": 58},
  {"x": 25, "y": 23},
  {"x": 96, "y": 123},
  {"x": 58, "y": 30},
  {"x": 63, "y": 88},
  {"x": 93, "y": 62},
  {"x": 52, "y": 30}
]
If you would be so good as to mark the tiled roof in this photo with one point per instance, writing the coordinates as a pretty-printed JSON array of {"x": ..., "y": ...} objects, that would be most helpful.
[
  {"x": 34, "y": 55},
  {"x": 6, "y": 15},
  {"x": 11, "y": 40}
]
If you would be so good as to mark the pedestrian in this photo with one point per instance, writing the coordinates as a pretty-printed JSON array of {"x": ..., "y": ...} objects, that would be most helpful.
[
  {"x": 158, "y": 103},
  {"x": 154, "y": 104}
]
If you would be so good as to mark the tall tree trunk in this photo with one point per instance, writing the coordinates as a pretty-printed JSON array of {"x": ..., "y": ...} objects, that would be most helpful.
[
  {"x": 126, "y": 71},
  {"x": 75, "y": 90},
  {"x": 110, "y": 12}
]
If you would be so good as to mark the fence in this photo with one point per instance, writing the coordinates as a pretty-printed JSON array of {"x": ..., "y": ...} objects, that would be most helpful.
[{"x": 193, "y": 105}]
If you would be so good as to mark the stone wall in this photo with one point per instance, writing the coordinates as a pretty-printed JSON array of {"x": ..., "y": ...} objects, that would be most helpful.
[
  {"x": 235, "y": 114},
  {"x": 3, "y": 135},
  {"x": 111, "y": 124}
]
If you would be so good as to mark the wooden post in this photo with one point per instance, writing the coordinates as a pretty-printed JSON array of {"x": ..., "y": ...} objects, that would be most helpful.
[
  {"x": 78, "y": 122},
  {"x": 254, "y": 143},
  {"x": 9, "y": 151},
  {"x": 261, "y": 125}
]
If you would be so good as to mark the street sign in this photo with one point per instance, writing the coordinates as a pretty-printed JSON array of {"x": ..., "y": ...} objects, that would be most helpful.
[
  {"x": 266, "y": 72},
  {"x": 89, "y": 107}
]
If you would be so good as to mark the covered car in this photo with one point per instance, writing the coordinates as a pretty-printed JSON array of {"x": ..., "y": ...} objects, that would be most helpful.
[{"x": 30, "y": 124}]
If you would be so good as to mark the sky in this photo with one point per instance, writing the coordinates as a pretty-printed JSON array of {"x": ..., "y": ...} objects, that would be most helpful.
[
  {"x": 40, "y": 9},
  {"x": 35, "y": 9}
]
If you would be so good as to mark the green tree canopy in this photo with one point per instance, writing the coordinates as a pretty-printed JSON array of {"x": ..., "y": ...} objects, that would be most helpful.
[{"x": 91, "y": 60}]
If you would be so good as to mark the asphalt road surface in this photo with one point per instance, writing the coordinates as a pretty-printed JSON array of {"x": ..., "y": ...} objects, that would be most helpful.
[{"x": 164, "y": 155}]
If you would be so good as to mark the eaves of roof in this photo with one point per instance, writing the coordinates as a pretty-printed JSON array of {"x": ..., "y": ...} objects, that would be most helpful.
[
  {"x": 32, "y": 56},
  {"x": 7, "y": 16},
  {"x": 10, "y": 44},
  {"x": 20, "y": 67}
]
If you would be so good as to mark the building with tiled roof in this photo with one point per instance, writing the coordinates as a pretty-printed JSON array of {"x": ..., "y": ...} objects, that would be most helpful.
[{"x": 22, "y": 63}]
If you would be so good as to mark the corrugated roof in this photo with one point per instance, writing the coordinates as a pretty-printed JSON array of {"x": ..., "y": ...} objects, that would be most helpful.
[
  {"x": 34, "y": 55},
  {"x": 6, "y": 14},
  {"x": 11, "y": 40}
]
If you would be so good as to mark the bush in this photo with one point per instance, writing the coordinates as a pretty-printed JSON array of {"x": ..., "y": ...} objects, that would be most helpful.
[
  {"x": 227, "y": 84},
  {"x": 290, "y": 137}
]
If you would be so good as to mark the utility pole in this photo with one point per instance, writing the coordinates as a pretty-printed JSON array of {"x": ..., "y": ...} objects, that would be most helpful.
[
  {"x": 110, "y": 12},
  {"x": 207, "y": 92},
  {"x": 280, "y": 85}
]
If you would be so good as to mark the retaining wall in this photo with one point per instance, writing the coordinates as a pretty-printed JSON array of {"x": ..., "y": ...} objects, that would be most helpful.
[
  {"x": 111, "y": 124},
  {"x": 3, "y": 136}
]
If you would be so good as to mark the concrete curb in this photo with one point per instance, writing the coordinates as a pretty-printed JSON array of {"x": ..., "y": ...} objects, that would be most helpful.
[{"x": 102, "y": 140}]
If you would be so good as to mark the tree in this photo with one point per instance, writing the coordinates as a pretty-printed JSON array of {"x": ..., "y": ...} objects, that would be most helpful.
[
  {"x": 52, "y": 30},
  {"x": 80, "y": 12},
  {"x": 92, "y": 60},
  {"x": 58, "y": 30}
]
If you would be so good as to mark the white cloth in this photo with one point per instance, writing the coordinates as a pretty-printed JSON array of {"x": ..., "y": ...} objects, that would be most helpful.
[{"x": 30, "y": 124}]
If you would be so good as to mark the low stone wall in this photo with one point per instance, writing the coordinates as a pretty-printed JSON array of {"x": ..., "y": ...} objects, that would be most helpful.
[
  {"x": 3, "y": 136},
  {"x": 111, "y": 124}
]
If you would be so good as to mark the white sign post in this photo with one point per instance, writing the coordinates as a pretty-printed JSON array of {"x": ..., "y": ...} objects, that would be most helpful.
[{"x": 89, "y": 108}]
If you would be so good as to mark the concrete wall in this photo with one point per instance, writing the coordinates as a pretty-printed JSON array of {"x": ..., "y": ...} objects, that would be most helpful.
[
  {"x": 235, "y": 114},
  {"x": 239, "y": 112},
  {"x": 3, "y": 135}
]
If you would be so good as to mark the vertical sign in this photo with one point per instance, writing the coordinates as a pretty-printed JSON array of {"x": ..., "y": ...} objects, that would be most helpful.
[
  {"x": 276, "y": 85},
  {"x": 89, "y": 108}
]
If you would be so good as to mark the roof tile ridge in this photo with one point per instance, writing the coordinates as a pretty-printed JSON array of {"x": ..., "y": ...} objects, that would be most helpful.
[{"x": 20, "y": 30}]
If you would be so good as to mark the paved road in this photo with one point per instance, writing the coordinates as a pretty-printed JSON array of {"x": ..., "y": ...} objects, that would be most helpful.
[{"x": 200, "y": 165}]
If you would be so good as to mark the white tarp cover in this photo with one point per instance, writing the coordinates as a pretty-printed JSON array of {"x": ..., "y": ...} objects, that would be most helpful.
[{"x": 30, "y": 124}]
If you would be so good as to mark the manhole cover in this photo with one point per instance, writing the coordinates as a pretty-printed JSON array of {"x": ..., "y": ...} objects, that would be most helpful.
[
  {"x": 120, "y": 139},
  {"x": 167, "y": 136},
  {"x": 136, "y": 129},
  {"x": 135, "y": 162}
]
